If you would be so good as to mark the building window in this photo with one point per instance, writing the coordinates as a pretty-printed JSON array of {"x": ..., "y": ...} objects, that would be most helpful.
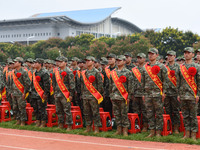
[
  {"x": 49, "y": 33},
  {"x": 41, "y": 34},
  {"x": 58, "y": 34},
  {"x": 46, "y": 34},
  {"x": 32, "y": 34},
  {"x": 8, "y": 36}
]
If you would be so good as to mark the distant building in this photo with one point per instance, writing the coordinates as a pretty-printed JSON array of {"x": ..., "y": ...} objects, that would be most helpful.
[{"x": 63, "y": 24}]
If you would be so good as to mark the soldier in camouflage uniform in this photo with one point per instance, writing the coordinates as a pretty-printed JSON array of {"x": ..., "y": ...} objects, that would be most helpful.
[
  {"x": 2, "y": 82},
  {"x": 198, "y": 62},
  {"x": 189, "y": 99},
  {"x": 152, "y": 93},
  {"x": 90, "y": 103},
  {"x": 43, "y": 78},
  {"x": 172, "y": 105},
  {"x": 63, "y": 105},
  {"x": 138, "y": 104},
  {"x": 129, "y": 65},
  {"x": 120, "y": 105},
  {"x": 19, "y": 102}
]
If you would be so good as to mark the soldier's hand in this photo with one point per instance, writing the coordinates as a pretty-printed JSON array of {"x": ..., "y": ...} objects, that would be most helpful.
[
  {"x": 70, "y": 98},
  {"x": 143, "y": 98},
  {"x": 163, "y": 97},
  {"x": 178, "y": 98},
  {"x": 128, "y": 100},
  {"x": 197, "y": 99},
  {"x": 23, "y": 96},
  {"x": 44, "y": 96}
]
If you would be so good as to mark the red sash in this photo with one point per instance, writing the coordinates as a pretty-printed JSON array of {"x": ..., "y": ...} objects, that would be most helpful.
[
  {"x": 38, "y": 88},
  {"x": 119, "y": 85},
  {"x": 29, "y": 74},
  {"x": 79, "y": 73},
  {"x": 189, "y": 79},
  {"x": 51, "y": 88},
  {"x": 91, "y": 88},
  {"x": 137, "y": 73},
  {"x": 172, "y": 79},
  {"x": 61, "y": 85},
  {"x": 154, "y": 77},
  {"x": 107, "y": 72},
  {"x": 17, "y": 83}
]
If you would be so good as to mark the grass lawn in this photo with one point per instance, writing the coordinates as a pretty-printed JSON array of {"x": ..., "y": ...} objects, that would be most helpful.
[{"x": 109, "y": 134}]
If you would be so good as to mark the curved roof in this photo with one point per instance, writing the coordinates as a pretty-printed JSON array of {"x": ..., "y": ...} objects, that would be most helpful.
[{"x": 83, "y": 16}]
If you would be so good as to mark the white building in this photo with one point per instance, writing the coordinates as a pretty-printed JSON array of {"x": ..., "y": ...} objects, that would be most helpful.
[{"x": 63, "y": 24}]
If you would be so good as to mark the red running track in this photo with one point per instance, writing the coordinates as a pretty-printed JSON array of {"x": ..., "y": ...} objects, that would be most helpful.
[{"x": 12, "y": 139}]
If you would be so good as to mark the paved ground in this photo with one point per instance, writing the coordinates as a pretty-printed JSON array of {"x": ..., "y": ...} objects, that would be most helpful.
[{"x": 12, "y": 139}]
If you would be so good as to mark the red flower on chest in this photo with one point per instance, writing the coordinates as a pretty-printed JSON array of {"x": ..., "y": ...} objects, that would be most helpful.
[
  {"x": 64, "y": 73},
  {"x": 91, "y": 79},
  {"x": 122, "y": 79},
  {"x": 172, "y": 73},
  {"x": 192, "y": 71},
  {"x": 18, "y": 75},
  {"x": 38, "y": 78},
  {"x": 155, "y": 70}
]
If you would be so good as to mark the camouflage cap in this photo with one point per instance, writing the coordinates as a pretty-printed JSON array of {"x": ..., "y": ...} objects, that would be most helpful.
[
  {"x": 171, "y": 52},
  {"x": 81, "y": 61},
  {"x": 128, "y": 54},
  {"x": 142, "y": 55},
  {"x": 103, "y": 58},
  {"x": 10, "y": 61},
  {"x": 104, "y": 62},
  {"x": 20, "y": 59},
  {"x": 29, "y": 60},
  {"x": 61, "y": 58},
  {"x": 198, "y": 50},
  {"x": 153, "y": 50},
  {"x": 111, "y": 55},
  {"x": 121, "y": 57},
  {"x": 189, "y": 49},
  {"x": 39, "y": 60},
  {"x": 90, "y": 58},
  {"x": 178, "y": 58},
  {"x": 74, "y": 59}
]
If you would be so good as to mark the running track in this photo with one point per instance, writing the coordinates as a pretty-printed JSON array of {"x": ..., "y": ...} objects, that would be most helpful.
[{"x": 12, "y": 139}]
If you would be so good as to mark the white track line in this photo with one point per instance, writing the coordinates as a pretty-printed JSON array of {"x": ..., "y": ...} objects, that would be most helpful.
[
  {"x": 82, "y": 142},
  {"x": 13, "y": 147}
]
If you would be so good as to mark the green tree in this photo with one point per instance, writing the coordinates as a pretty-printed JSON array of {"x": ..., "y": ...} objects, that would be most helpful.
[{"x": 53, "y": 53}]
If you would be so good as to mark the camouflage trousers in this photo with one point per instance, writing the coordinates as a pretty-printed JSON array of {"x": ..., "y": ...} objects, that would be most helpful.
[
  {"x": 63, "y": 108},
  {"x": 172, "y": 107},
  {"x": 91, "y": 112},
  {"x": 120, "y": 110},
  {"x": 19, "y": 108},
  {"x": 198, "y": 109},
  {"x": 139, "y": 108},
  {"x": 189, "y": 111},
  {"x": 107, "y": 105},
  {"x": 40, "y": 109},
  {"x": 154, "y": 106}
]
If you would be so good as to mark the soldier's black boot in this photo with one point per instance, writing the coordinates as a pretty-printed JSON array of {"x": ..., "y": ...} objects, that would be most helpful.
[
  {"x": 96, "y": 130},
  {"x": 158, "y": 133},
  {"x": 144, "y": 129},
  {"x": 125, "y": 131},
  {"x": 119, "y": 131},
  {"x": 176, "y": 129},
  {"x": 60, "y": 125},
  {"x": 193, "y": 136},
  {"x": 43, "y": 124},
  {"x": 69, "y": 128},
  {"x": 152, "y": 134},
  {"x": 18, "y": 122},
  {"x": 88, "y": 128},
  {"x": 38, "y": 123},
  {"x": 187, "y": 135}
]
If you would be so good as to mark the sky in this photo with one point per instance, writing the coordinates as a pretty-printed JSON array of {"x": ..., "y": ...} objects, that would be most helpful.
[{"x": 146, "y": 14}]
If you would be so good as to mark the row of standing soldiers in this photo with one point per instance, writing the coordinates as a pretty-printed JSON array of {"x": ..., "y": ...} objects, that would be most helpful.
[{"x": 118, "y": 86}]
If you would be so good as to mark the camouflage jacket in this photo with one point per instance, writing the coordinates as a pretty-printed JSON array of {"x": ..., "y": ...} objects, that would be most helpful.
[
  {"x": 114, "y": 92},
  {"x": 23, "y": 79},
  {"x": 2, "y": 81},
  {"x": 68, "y": 81},
  {"x": 44, "y": 83},
  {"x": 184, "y": 90},
  {"x": 106, "y": 82},
  {"x": 170, "y": 89},
  {"x": 78, "y": 83},
  {"x": 150, "y": 89},
  {"x": 137, "y": 86},
  {"x": 129, "y": 67},
  {"x": 98, "y": 84}
]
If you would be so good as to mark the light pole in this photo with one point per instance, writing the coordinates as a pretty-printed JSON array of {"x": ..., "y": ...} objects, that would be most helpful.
[{"x": 29, "y": 38}]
